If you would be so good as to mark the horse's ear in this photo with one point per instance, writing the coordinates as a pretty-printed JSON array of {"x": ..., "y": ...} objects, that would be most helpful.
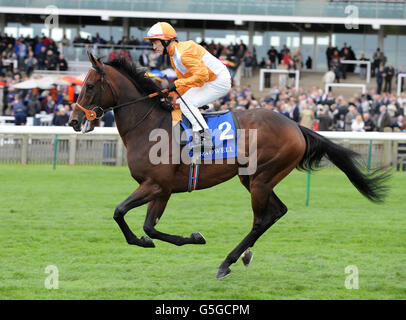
[
  {"x": 92, "y": 59},
  {"x": 95, "y": 62}
]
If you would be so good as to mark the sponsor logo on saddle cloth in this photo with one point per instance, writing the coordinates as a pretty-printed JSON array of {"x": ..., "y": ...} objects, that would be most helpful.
[{"x": 223, "y": 133}]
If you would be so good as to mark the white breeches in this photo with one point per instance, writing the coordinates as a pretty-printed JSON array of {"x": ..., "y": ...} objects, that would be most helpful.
[{"x": 200, "y": 96}]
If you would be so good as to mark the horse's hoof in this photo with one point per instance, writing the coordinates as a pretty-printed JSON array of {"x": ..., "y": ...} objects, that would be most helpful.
[
  {"x": 223, "y": 272},
  {"x": 147, "y": 242},
  {"x": 198, "y": 238},
  {"x": 246, "y": 257}
]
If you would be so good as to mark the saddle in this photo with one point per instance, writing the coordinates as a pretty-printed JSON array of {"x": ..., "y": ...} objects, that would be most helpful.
[
  {"x": 223, "y": 127},
  {"x": 180, "y": 127},
  {"x": 181, "y": 124}
]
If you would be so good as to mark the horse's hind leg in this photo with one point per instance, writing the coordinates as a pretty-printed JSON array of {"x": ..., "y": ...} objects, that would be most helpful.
[
  {"x": 247, "y": 255},
  {"x": 267, "y": 210},
  {"x": 154, "y": 213}
]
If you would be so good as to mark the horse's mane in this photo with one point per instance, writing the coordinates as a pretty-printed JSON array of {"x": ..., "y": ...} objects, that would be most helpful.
[{"x": 143, "y": 83}]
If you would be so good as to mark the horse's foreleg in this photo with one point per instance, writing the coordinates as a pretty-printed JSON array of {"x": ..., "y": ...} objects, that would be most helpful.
[
  {"x": 266, "y": 213},
  {"x": 154, "y": 213},
  {"x": 145, "y": 193}
]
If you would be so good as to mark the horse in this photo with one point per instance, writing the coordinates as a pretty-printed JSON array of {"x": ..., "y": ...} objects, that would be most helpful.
[{"x": 282, "y": 145}]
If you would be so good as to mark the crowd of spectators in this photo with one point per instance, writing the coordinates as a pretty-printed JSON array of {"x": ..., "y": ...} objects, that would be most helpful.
[
  {"x": 322, "y": 111},
  {"x": 55, "y": 104},
  {"x": 31, "y": 102},
  {"x": 235, "y": 54},
  {"x": 378, "y": 110},
  {"x": 314, "y": 109},
  {"x": 24, "y": 54},
  {"x": 19, "y": 57},
  {"x": 384, "y": 73},
  {"x": 241, "y": 61},
  {"x": 100, "y": 41}
]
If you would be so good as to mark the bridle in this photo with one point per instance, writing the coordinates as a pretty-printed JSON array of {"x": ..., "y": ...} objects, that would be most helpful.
[{"x": 97, "y": 112}]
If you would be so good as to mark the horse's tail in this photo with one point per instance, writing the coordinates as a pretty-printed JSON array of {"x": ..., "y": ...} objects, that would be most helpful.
[{"x": 371, "y": 185}]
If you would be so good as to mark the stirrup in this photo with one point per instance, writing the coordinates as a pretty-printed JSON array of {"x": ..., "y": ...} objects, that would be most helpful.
[{"x": 201, "y": 139}]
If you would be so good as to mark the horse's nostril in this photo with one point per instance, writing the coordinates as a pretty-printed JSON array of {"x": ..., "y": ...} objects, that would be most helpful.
[{"x": 73, "y": 122}]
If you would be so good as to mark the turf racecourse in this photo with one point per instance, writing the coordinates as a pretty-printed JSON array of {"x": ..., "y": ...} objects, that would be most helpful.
[{"x": 64, "y": 217}]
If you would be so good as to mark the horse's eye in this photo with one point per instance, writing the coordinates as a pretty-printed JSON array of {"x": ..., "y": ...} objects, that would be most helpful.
[{"x": 89, "y": 86}]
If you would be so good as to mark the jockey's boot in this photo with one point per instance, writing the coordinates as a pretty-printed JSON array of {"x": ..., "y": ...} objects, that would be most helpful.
[{"x": 201, "y": 139}]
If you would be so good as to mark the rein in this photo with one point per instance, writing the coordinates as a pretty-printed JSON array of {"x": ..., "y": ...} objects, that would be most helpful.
[{"x": 92, "y": 114}]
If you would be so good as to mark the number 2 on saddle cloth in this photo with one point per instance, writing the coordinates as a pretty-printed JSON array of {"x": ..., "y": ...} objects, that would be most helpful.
[{"x": 223, "y": 128}]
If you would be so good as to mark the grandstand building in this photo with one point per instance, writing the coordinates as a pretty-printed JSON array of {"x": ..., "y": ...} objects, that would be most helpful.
[{"x": 308, "y": 25}]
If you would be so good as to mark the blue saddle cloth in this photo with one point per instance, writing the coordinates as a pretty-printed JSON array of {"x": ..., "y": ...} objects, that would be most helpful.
[{"x": 223, "y": 132}]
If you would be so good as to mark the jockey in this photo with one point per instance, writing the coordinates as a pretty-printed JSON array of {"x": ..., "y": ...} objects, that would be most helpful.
[{"x": 202, "y": 78}]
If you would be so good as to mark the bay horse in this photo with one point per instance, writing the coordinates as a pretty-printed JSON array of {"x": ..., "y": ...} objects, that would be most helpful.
[{"x": 282, "y": 145}]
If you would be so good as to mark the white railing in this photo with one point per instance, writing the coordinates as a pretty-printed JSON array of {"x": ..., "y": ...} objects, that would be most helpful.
[
  {"x": 374, "y": 135},
  {"x": 368, "y": 63},
  {"x": 9, "y": 120},
  {"x": 36, "y": 144},
  {"x": 263, "y": 71},
  {"x": 39, "y": 119},
  {"x": 390, "y": 147},
  {"x": 399, "y": 83},
  {"x": 340, "y": 135},
  {"x": 346, "y": 85},
  {"x": 53, "y": 130},
  {"x": 47, "y": 144}
]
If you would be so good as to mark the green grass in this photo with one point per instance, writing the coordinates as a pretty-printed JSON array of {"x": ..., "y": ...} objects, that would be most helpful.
[{"x": 65, "y": 218}]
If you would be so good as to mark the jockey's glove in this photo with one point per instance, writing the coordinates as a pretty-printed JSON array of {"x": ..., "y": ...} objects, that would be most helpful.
[{"x": 171, "y": 87}]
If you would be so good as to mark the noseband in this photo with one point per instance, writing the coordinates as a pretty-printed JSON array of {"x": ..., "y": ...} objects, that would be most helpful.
[{"x": 97, "y": 112}]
